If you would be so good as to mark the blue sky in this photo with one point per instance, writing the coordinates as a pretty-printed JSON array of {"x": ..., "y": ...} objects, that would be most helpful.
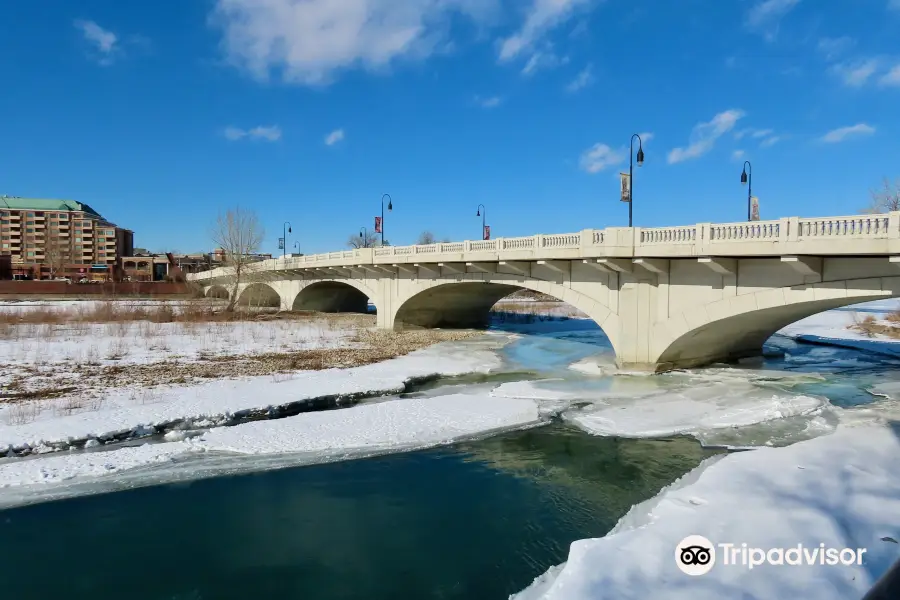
[{"x": 161, "y": 114}]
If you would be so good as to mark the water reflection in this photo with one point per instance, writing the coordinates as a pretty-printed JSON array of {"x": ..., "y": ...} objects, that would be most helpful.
[{"x": 479, "y": 520}]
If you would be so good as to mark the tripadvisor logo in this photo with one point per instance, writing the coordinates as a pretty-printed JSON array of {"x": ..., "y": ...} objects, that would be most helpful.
[{"x": 696, "y": 555}]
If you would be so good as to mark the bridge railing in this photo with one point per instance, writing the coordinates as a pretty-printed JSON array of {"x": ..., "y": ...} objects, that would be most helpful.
[{"x": 699, "y": 239}]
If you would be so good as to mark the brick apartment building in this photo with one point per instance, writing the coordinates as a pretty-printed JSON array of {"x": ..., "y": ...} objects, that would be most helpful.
[{"x": 42, "y": 239}]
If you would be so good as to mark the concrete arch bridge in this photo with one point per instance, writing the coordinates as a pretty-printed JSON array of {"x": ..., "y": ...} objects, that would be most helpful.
[{"x": 670, "y": 297}]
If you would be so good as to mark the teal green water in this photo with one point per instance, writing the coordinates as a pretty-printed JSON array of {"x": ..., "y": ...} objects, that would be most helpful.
[{"x": 475, "y": 520}]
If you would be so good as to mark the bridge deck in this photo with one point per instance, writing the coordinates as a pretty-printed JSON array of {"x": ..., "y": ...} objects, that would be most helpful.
[{"x": 857, "y": 235}]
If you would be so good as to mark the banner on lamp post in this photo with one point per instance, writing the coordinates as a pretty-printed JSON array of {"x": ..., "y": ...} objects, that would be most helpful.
[
  {"x": 625, "y": 182},
  {"x": 377, "y": 224},
  {"x": 281, "y": 243},
  {"x": 487, "y": 232},
  {"x": 754, "y": 208}
]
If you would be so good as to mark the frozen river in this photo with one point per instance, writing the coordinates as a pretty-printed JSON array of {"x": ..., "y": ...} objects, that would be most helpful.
[{"x": 499, "y": 473}]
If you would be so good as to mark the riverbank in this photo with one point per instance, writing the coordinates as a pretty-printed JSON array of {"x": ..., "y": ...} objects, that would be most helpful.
[{"x": 62, "y": 358}]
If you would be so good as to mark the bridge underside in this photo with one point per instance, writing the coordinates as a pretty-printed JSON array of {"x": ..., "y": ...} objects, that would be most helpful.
[
  {"x": 453, "y": 305},
  {"x": 331, "y": 297},
  {"x": 737, "y": 337}
]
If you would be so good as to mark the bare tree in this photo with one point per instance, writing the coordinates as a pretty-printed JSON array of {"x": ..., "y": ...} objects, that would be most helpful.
[
  {"x": 56, "y": 254},
  {"x": 239, "y": 234},
  {"x": 425, "y": 238},
  {"x": 446, "y": 240},
  {"x": 885, "y": 199},
  {"x": 368, "y": 240}
]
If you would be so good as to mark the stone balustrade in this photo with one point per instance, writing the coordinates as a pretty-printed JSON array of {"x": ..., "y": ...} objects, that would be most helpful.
[{"x": 876, "y": 234}]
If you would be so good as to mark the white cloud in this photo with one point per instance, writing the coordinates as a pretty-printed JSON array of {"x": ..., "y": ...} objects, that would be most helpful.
[
  {"x": 582, "y": 80},
  {"x": 334, "y": 137},
  {"x": 769, "y": 12},
  {"x": 858, "y": 73},
  {"x": 308, "y": 41},
  {"x": 831, "y": 48},
  {"x": 842, "y": 133},
  {"x": 104, "y": 42},
  {"x": 543, "y": 59},
  {"x": 893, "y": 4},
  {"x": 541, "y": 17},
  {"x": 737, "y": 155},
  {"x": 754, "y": 133},
  {"x": 770, "y": 141},
  {"x": 892, "y": 77},
  {"x": 600, "y": 157},
  {"x": 270, "y": 133},
  {"x": 704, "y": 136},
  {"x": 489, "y": 102}
]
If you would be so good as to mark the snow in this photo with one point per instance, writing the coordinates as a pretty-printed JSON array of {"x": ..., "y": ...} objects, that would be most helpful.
[
  {"x": 215, "y": 401},
  {"x": 315, "y": 437},
  {"x": 691, "y": 411},
  {"x": 63, "y": 467},
  {"x": 398, "y": 424},
  {"x": 840, "y": 490},
  {"x": 143, "y": 342}
]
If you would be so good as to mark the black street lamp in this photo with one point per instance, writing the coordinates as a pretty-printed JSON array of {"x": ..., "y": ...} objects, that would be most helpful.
[
  {"x": 284, "y": 237},
  {"x": 390, "y": 207},
  {"x": 364, "y": 235},
  {"x": 640, "y": 162},
  {"x": 747, "y": 177},
  {"x": 481, "y": 212}
]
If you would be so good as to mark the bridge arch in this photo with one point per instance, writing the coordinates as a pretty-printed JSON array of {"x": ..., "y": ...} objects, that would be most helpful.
[
  {"x": 468, "y": 304},
  {"x": 217, "y": 291},
  {"x": 738, "y": 327},
  {"x": 330, "y": 296},
  {"x": 259, "y": 295}
]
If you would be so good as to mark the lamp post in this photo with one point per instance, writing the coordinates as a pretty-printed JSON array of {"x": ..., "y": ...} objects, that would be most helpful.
[
  {"x": 640, "y": 162},
  {"x": 482, "y": 212},
  {"x": 297, "y": 247},
  {"x": 364, "y": 235},
  {"x": 284, "y": 237},
  {"x": 747, "y": 177},
  {"x": 390, "y": 207}
]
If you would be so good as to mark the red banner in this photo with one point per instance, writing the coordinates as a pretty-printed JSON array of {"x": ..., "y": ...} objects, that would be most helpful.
[
  {"x": 487, "y": 232},
  {"x": 377, "y": 224}
]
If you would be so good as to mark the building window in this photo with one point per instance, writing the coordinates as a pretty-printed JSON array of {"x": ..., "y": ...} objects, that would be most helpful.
[
  {"x": 30, "y": 254},
  {"x": 63, "y": 217},
  {"x": 30, "y": 214}
]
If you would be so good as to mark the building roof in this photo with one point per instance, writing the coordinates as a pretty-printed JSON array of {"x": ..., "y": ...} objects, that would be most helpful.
[{"x": 16, "y": 203}]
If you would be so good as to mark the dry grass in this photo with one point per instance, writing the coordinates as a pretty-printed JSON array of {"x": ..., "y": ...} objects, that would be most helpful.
[
  {"x": 117, "y": 311},
  {"x": 870, "y": 326},
  {"x": 77, "y": 385}
]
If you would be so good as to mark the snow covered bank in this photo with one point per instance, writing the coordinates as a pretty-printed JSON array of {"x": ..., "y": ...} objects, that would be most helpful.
[
  {"x": 841, "y": 490},
  {"x": 833, "y": 327},
  {"x": 215, "y": 402},
  {"x": 365, "y": 429}
]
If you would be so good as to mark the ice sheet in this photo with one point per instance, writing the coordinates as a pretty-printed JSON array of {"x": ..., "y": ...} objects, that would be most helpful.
[{"x": 329, "y": 435}]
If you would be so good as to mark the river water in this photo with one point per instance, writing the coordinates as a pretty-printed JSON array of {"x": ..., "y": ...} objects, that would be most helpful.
[{"x": 474, "y": 520}]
